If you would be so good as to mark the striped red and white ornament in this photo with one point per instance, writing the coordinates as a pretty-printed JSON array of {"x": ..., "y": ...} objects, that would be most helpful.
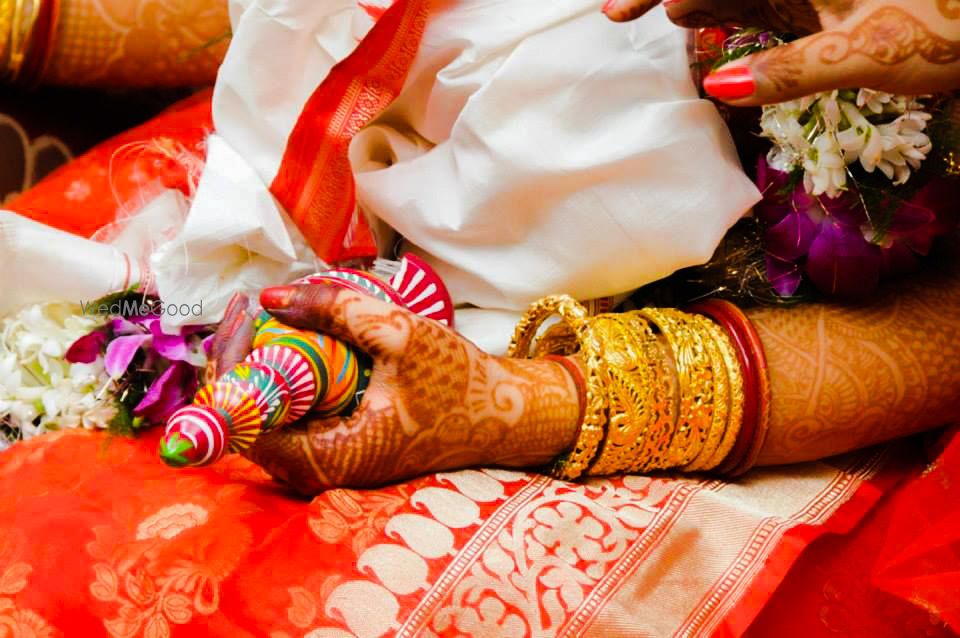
[{"x": 291, "y": 372}]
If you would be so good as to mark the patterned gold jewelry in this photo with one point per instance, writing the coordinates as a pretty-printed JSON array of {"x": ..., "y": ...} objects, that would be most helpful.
[
  {"x": 632, "y": 403},
  {"x": 7, "y": 9},
  {"x": 694, "y": 370},
  {"x": 736, "y": 393},
  {"x": 17, "y": 19},
  {"x": 664, "y": 388},
  {"x": 573, "y": 464},
  {"x": 654, "y": 454},
  {"x": 721, "y": 396}
]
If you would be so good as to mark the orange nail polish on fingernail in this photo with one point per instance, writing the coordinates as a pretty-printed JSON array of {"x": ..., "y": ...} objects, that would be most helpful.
[
  {"x": 731, "y": 84},
  {"x": 277, "y": 297}
]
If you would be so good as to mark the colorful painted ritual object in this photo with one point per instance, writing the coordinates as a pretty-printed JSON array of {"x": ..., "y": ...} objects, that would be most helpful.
[{"x": 290, "y": 373}]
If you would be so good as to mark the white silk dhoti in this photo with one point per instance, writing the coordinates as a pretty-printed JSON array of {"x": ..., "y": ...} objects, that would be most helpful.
[{"x": 536, "y": 148}]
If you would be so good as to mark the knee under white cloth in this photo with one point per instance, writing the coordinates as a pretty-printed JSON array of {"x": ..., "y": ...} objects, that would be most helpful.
[{"x": 536, "y": 148}]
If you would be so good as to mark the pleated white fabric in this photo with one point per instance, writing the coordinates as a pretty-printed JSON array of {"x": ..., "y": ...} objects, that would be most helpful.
[{"x": 536, "y": 148}]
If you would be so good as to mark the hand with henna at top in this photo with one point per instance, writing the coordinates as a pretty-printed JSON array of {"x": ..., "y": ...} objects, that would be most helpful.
[
  {"x": 910, "y": 47},
  {"x": 435, "y": 401}
]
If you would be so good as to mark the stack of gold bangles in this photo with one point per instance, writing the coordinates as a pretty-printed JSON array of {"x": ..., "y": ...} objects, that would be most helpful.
[
  {"x": 26, "y": 32},
  {"x": 664, "y": 389}
]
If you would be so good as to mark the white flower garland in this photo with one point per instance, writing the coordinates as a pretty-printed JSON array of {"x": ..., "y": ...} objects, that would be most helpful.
[
  {"x": 39, "y": 389},
  {"x": 823, "y": 134}
]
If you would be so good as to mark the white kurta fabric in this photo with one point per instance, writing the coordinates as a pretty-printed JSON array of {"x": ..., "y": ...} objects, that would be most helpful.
[{"x": 536, "y": 148}]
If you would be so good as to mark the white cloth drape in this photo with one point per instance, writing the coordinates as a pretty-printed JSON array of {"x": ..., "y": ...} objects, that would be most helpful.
[{"x": 536, "y": 148}]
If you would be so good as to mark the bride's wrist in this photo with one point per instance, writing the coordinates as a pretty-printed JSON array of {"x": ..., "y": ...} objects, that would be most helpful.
[{"x": 547, "y": 398}]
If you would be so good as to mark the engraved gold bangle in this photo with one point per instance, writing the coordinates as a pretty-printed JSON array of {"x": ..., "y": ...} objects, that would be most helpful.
[
  {"x": 7, "y": 10},
  {"x": 640, "y": 413},
  {"x": 736, "y": 395},
  {"x": 572, "y": 465},
  {"x": 695, "y": 382},
  {"x": 630, "y": 390},
  {"x": 749, "y": 384},
  {"x": 23, "y": 20},
  {"x": 666, "y": 388},
  {"x": 720, "y": 403}
]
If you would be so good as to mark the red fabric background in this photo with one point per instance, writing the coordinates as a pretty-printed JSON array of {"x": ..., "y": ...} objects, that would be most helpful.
[{"x": 896, "y": 574}]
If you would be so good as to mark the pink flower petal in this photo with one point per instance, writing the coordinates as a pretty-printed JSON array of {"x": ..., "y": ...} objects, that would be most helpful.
[
  {"x": 168, "y": 393},
  {"x": 841, "y": 262},
  {"x": 121, "y": 327},
  {"x": 87, "y": 348},
  {"x": 169, "y": 346},
  {"x": 772, "y": 183},
  {"x": 120, "y": 353},
  {"x": 784, "y": 276},
  {"x": 790, "y": 239},
  {"x": 847, "y": 209}
]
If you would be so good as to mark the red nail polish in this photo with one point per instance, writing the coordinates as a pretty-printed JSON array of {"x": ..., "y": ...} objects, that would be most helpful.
[
  {"x": 608, "y": 5},
  {"x": 731, "y": 84},
  {"x": 277, "y": 297}
]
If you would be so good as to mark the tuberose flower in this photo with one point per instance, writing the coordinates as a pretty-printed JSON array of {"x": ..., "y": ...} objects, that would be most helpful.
[
  {"x": 45, "y": 382},
  {"x": 171, "y": 391},
  {"x": 824, "y": 133}
]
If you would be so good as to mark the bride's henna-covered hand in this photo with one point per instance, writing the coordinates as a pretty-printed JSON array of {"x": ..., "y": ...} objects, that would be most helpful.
[
  {"x": 435, "y": 401},
  {"x": 902, "y": 46}
]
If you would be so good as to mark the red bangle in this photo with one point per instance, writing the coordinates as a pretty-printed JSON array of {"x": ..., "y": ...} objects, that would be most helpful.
[
  {"x": 763, "y": 392},
  {"x": 756, "y": 385},
  {"x": 578, "y": 381}
]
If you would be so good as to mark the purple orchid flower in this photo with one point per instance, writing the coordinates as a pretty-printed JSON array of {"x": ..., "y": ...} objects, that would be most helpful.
[
  {"x": 168, "y": 393},
  {"x": 121, "y": 351},
  {"x": 169, "y": 346},
  {"x": 173, "y": 357},
  {"x": 831, "y": 240},
  {"x": 841, "y": 262}
]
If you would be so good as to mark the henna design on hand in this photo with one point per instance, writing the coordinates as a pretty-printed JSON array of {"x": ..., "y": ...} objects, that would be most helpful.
[
  {"x": 139, "y": 43},
  {"x": 949, "y": 9},
  {"x": 435, "y": 402},
  {"x": 783, "y": 66},
  {"x": 888, "y": 36}
]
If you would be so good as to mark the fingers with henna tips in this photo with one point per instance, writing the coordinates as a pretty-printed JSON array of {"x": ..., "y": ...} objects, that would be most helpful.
[
  {"x": 233, "y": 339},
  {"x": 886, "y": 47}
]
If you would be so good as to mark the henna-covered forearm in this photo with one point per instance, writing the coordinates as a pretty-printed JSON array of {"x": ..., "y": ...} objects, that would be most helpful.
[
  {"x": 949, "y": 9},
  {"x": 138, "y": 43},
  {"x": 845, "y": 377},
  {"x": 435, "y": 402},
  {"x": 842, "y": 377}
]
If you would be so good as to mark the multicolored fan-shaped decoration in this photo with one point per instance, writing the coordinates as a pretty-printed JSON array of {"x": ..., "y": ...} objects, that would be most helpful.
[{"x": 291, "y": 372}]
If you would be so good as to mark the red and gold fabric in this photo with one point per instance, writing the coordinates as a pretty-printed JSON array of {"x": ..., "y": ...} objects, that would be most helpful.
[{"x": 121, "y": 545}]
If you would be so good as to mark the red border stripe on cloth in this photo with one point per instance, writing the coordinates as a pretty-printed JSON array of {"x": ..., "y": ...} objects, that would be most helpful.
[{"x": 315, "y": 182}]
